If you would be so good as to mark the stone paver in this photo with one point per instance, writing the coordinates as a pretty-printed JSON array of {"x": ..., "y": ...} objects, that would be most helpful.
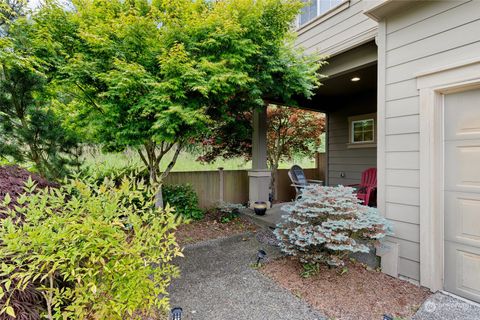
[
  {"x": 440, "y": 306},
  {"x": 219, "y": 283}
]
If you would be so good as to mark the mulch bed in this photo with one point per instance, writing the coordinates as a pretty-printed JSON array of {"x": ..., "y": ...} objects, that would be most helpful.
[
  {"x": 211, "y": 228},
  {"x": 358, "y": 294}
]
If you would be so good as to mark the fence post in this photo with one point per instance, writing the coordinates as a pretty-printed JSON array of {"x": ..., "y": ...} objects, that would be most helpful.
[
  {"x": 220, "y": 174},
  {"x": 320, "y": 164}
]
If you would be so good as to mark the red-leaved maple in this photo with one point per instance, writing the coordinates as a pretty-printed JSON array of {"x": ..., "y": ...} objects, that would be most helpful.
[{"x": 291, "y": 132}]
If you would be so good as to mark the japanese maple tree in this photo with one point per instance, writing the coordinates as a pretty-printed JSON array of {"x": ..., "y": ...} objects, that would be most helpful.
[
  {"x": 156, "y": 75},
  {"x": 291, "y": 131}
]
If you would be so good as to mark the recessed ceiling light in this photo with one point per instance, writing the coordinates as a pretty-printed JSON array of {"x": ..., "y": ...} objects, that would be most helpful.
[{"x": 355, "y": 79}]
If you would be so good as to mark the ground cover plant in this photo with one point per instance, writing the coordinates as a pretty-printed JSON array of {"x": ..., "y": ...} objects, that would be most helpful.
[
  {"x": 227, "y": 211},
  {"x": 92, "y": 252},
  {"x": 327, "y": 224}
]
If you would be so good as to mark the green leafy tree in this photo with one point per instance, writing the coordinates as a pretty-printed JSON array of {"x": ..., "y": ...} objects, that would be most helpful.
[
  {"x": 30, "y": 130},
  {"x": 157, "y": 75},
  {"x": 10, "y": 10},
  {"x": 128, "y": 89}
]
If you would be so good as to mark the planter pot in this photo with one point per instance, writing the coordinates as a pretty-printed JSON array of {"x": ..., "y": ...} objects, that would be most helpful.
[{"x": 260, "y": 208}]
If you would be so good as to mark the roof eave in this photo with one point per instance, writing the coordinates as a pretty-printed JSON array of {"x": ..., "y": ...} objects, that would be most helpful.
[{"x": 379, "y": 9}]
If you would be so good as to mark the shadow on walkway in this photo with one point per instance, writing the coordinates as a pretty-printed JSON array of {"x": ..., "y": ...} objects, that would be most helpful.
[{"x": 218, "y": 282}]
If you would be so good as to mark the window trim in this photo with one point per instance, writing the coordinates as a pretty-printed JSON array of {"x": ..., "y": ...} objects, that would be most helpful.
[
  {"x": 362, "y": 144},
  {"x": 352, "y": 131},
  {"x": 322, "y": 17}
]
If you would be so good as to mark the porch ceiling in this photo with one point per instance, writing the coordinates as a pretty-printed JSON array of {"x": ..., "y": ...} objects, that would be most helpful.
[
  {"x": 341, "y": 88},
  {"x": 342, "y": 85}
]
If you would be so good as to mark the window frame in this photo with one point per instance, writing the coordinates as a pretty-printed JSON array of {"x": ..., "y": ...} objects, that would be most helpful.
[
  {"x": 319, "y": 15},
  {"x": 362, "y": 144}
]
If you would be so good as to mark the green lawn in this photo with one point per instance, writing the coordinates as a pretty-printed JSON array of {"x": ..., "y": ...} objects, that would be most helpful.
[{"x": 186, "y": 162}]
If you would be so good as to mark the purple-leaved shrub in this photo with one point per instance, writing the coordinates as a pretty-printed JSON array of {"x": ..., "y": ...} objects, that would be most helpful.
[{"x": 327, "y": 224}]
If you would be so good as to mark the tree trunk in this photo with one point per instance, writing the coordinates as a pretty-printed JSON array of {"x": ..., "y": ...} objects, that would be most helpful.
[
  {"x": 172, "y": 162},
  {"x": 152, "y": 161},
  {"x": 273, "y": 181},
  {"x": 159, "y": 198}
]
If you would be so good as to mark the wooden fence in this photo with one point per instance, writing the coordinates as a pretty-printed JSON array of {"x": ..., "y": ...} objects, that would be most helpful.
[{"x": 207, "y": 184}]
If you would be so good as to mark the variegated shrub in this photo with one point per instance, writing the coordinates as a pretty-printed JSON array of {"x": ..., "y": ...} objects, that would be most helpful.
[{"x": 327, "y": 224}]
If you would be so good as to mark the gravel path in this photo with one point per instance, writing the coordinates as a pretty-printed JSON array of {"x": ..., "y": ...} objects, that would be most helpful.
[{"x": 219, "y": 283}]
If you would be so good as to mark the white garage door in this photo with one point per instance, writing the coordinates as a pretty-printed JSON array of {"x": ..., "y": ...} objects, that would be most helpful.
[{"x": 462, "y": 194}]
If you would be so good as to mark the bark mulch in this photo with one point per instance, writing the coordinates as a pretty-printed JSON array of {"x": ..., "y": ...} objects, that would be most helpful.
[
  {"x": 358, "y": 294},
  {"x": 211, "y": 228}
]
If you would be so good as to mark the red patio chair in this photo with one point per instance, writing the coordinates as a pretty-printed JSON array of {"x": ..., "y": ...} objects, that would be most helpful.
[{"x": 367, "y": 186}]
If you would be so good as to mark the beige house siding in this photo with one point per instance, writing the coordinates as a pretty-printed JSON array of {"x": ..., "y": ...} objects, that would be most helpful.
[
  {"x": 340, "y": 158},
  {"x": 344, "y": 30},
  {"x": 424, "y": 36}
]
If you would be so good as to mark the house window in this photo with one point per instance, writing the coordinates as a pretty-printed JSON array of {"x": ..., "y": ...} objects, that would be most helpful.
[
  {"x": 316, "y": 8},
  {"x": 362, "y": 130}
]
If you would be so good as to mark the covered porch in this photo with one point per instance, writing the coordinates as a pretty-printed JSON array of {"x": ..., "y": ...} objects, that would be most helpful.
[{"x": 348, "y": 97}]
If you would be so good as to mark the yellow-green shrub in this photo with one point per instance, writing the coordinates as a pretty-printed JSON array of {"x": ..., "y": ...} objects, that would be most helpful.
[{"x": 93, "y": 252}]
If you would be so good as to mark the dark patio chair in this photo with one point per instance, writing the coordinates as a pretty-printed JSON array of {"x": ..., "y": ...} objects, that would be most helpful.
[{"x": 299, "y": 180}]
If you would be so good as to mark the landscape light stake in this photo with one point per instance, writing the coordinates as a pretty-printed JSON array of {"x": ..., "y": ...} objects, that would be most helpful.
[
  {"x": 260, "y": 256},
  {"x": 176, "y": 313}
]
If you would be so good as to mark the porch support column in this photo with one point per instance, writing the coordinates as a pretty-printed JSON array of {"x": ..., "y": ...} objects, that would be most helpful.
[{"x": 259, "y": 176}]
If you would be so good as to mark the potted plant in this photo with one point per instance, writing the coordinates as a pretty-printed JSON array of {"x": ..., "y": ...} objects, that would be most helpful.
[{"x": 260, "y": 208}]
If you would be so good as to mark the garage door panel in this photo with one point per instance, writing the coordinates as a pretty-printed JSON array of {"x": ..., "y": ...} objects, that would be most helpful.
[
  {"x": 467, "y": 122},
  {"x": 462, "y": 194},
  {"x": 464, "y": 264},
  {"x": 462, "y": 162},
  {"x": 462, "y": 218}
]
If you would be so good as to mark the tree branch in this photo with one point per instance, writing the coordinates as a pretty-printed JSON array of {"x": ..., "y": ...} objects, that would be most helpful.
[
  {"x": 89, "y": 98},
  {"x": 144, "y": 160},
  {"x": 172, "y": 163},
  {"x": 163, "y": 152}
]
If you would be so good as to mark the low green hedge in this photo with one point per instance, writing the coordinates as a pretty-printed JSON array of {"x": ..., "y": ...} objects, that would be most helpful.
[{"x": 183, "y": 199}]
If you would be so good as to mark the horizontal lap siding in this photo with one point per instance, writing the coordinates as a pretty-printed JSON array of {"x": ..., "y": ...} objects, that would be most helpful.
[
  {"x": 337, "y": 31},
  {"x": 424, "y": 36},
  {"x": 352, "y": 162}
]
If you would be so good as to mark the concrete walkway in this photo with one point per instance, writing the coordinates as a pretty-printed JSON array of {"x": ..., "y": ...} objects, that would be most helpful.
[
  {"x": 440, "y": 306},
  {"x": 218, "y": 283},
  {"x": 273, "y": 216}
]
